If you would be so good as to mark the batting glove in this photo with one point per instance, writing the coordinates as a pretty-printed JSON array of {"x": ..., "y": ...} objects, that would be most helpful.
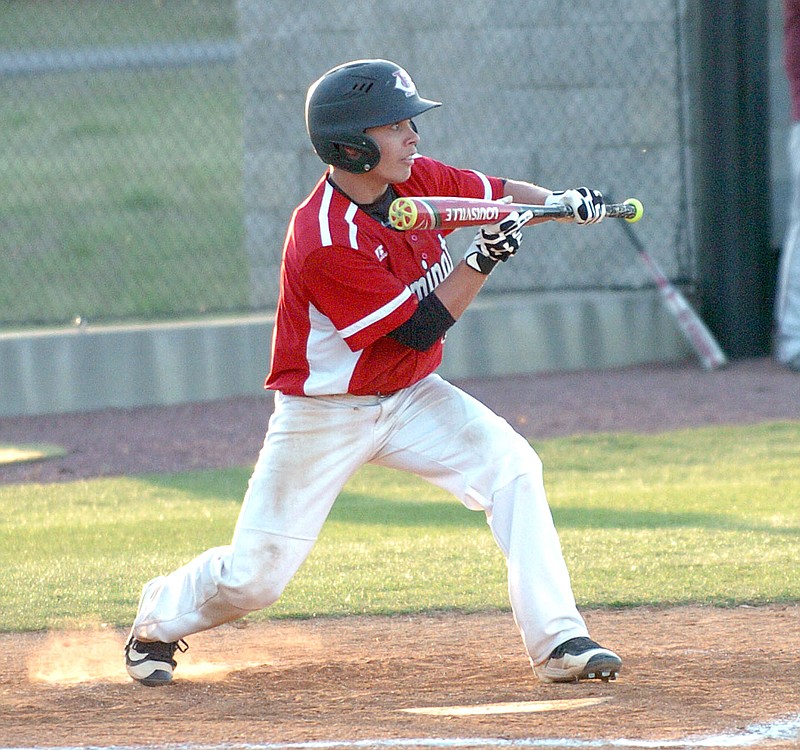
[
  {"x": 495, "y": 243},
  {"x": 588, "y": 206}
]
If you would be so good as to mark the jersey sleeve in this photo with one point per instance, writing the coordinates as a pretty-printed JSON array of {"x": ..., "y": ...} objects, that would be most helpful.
[
  {"x": 432, "y": 177},
  {"x": 361, "y": 299}
]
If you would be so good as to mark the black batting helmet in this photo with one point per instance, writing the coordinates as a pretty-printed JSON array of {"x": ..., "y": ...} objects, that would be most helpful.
[{"x": 355, "y": 96}]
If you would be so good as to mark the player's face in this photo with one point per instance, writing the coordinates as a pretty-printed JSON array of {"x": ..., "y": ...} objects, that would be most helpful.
[{"x": 398, "y": 145}]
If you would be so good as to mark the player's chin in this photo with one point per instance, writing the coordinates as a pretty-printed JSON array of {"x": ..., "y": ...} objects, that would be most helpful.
[{"x": 403, "y": 171}]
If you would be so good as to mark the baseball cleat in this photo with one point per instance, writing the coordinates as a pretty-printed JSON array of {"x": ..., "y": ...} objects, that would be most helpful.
[
  {"x": 579, "y": 659},
  {"x": 152, "y": 662}
]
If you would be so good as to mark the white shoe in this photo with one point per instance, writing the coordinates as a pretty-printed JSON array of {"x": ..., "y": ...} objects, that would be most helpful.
[
  {"x": 151, "y": 662},
  {"x": 579, "y": 659}
]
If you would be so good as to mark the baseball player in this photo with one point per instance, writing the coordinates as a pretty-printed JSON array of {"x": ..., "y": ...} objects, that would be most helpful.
[{"x": 359, "y": 332}]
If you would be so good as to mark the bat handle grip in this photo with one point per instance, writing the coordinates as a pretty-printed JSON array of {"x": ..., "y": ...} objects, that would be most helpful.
[{"x": 631, "y": 210}]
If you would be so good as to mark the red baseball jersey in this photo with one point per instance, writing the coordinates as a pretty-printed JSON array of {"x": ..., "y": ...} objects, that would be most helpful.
[{"x": 347, "y": 281}]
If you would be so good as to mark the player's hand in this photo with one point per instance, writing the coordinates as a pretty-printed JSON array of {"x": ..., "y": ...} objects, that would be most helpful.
[
  {"x": 495, "y": 243},
  {"x": 588, "y": 206}
]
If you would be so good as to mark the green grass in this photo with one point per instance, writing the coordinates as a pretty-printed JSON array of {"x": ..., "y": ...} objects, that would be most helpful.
[
  {"x": 121, "y": 197},
  {"x": 89, "y": 23},
  {"x": 709, "y": 515},
  {"x": 121, "y": 192}
]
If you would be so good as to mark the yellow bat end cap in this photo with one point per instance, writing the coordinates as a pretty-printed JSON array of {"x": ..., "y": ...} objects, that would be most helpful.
[{"x": 637, "y": 204}]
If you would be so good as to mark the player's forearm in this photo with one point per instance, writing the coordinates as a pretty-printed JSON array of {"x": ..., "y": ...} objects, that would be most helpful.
[
  {"x": 440, "y": 309},
  {"x": 458, "y": 290},
  {"x": 528, "y": 193}
]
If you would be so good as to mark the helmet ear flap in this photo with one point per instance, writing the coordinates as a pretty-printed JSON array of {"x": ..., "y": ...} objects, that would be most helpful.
[{"x": 355, "y": 155}]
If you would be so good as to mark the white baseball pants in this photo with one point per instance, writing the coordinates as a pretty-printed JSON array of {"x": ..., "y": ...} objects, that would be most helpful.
[{"x": 313, "y": 446}]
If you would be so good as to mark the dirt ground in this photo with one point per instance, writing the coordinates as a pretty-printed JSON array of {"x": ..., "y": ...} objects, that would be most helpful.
[{"x": 692, "y": 676}]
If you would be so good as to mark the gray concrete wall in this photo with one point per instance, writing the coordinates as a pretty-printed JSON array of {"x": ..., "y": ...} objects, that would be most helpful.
[{"x": 85, "y": 369}]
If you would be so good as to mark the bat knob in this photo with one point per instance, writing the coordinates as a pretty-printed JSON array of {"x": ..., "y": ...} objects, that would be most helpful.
[{"x": 638, "y": 210}]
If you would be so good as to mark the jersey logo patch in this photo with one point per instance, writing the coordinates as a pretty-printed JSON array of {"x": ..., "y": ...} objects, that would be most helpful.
[{"x": 380, "y": 253}]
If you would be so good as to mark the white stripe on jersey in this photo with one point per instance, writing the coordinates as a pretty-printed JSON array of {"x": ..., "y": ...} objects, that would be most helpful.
[
  {"x": 330, "y": 362},
  {"x": 348, "y": 217},
  {"x": 379, "y": 314},
  {"x": 324, "y": 207},
  {"x": 324, "y": 219},
  {"x": 487, "y": 188}
]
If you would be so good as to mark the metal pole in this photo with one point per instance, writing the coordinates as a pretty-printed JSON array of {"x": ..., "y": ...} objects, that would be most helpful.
[{"x": 734, "y": 255}]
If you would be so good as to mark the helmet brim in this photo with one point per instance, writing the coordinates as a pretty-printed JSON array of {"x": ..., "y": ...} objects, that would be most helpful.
[{"x": 414, "y": 109}]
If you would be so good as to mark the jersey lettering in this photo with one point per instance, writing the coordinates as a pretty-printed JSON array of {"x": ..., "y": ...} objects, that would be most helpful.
[{"x": 434, "y": 275}]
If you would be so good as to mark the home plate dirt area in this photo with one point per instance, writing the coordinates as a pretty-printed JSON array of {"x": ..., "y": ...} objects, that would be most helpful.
[
  {"x": 693, "y": 676},
  {"x": 690, "y": 672}
]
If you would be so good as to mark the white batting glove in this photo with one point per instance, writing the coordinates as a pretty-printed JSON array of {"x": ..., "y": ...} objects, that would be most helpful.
[
  {"x": 588, "y": 206},
  {"x": 496, "y": 243}
]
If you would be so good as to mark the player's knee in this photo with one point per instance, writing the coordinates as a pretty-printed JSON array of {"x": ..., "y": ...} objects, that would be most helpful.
[
  {"x": 253, "y": 592},
  {"x": 495, "y": 440},
  {"x": 520, "y": 459},
  {"x": 253, "y": 598},
  {"x": 258, "y": 579}
]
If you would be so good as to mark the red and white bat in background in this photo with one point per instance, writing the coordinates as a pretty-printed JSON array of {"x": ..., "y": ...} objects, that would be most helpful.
[
  {"x": 439, "y": 212},
  {"x": 691, "y": 325}
]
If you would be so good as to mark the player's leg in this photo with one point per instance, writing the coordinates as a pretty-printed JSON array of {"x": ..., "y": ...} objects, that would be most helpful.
[
  {"x": 443, "y": 434},
  {"x": 787, "y": 297},
  {"x": 312, "y": 447}
]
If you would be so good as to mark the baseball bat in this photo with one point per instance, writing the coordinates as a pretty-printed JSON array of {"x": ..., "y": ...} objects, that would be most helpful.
[
  {"x": 691, "y": 325},
  {"x": 441, "y": 212}
]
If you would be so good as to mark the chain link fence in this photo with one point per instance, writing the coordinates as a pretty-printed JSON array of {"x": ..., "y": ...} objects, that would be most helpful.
[
  {"x": 152, "y": 152},
  {"x": 120, "y": 161}
]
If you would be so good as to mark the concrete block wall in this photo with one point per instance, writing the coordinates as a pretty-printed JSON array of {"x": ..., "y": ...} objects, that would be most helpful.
[
  {"x": 98, "y": 367},
  {"x": 563, "y": 94}
]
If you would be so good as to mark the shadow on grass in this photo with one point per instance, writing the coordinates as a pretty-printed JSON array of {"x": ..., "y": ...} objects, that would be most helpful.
[
  {"x": 363, "y": 509},
  {"x": 604, "y": 518},
  {"x": 355, "y": 507}
]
